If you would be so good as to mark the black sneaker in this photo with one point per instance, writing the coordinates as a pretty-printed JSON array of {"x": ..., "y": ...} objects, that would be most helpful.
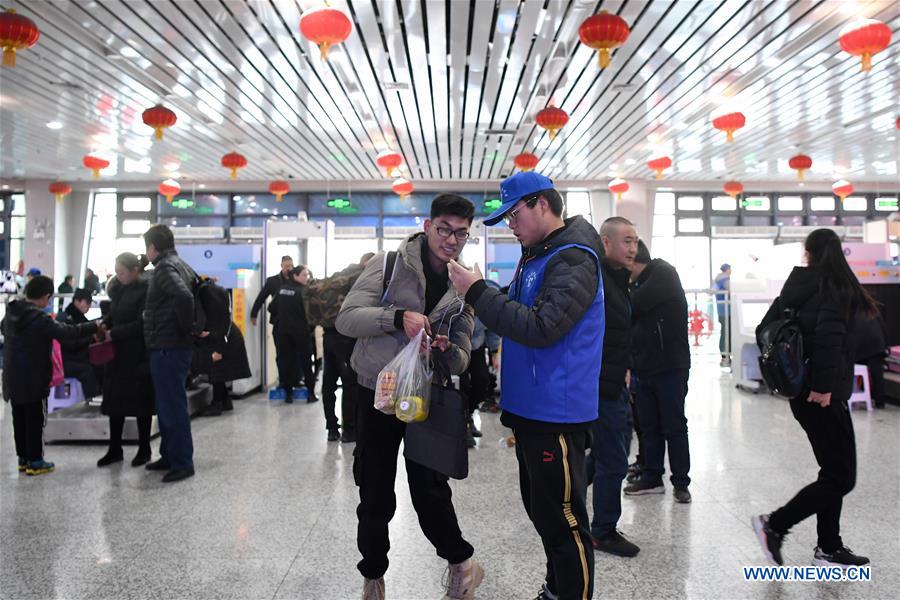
[
  {"x": 842, "y": 557},
  {"x": 634, "y": 467},
  {"x": 470, "y": 440},
  {"x": 112, "y": 456},
  {"x": 633, "y": 477},
  {"x": 141, "y": 458},
  {"x": 333, "y": 435},
  {"x": 23, "y": 464},
  {"x": 641, "y": 487},
  {"x": 769, "y": 539},
  {"x": 473, "y": 429},
  {"x": 158, "y": 465},
  {"x": 682, "y": 495},
  {"x": 177, "y": 475},
  {"x": 348, "y": 438},
  {"x": 615, "y": 543}
]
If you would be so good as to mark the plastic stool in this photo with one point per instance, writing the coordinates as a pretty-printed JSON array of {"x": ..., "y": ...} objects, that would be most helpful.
[
  {"x": 860, "y": 388},
  {"x": 67, "y": 394}
]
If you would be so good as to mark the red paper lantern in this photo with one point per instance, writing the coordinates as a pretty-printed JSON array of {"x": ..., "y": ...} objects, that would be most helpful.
[
  {"x": 95, "y": 164},
  {"x": 603, "y": 32},
  {"x": 842, "y": 189},
  {"x": 402, "y": 187},
  {"x": 865, "y": 38},
  {"x": 326, "y": 27},
  {"x": 60, "y": 190},
  {"x": 552, "y": 119},
  {"x": 389, "y": 160},
  {"x": 234, "y": 161},
  {"x": 159, "y": 117},
  {"x": 659, "y": 165},
  {"x": 733, "y": 188},
  {"x": 801, "y": 163},
  {"x": 279, "y": 188},
  {"x": 526, "y": 161},
  {"x": 897, "y": 123},
  {"x": 16, "y": 33},
  {"x": 169, "y": 188},
  {"x": 730, "y": 123},
  {"x": 618, "y": 187}
]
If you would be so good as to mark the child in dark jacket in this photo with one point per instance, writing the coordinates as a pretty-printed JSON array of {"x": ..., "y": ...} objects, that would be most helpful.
[{"x": 29, "y": 332}]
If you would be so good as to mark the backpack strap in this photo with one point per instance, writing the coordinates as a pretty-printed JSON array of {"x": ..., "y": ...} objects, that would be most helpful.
[{"x": 387, "y": 270}]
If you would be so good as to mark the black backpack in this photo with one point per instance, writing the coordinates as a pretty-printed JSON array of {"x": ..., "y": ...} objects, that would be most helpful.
[{"x": 781, "y": 360}]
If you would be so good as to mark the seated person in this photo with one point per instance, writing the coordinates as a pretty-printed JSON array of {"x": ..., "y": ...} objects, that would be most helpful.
[{"x": 76, "y": 360}]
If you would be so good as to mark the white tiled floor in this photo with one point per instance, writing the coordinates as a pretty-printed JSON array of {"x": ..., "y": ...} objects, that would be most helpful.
[{"x": 270, "y": 514}]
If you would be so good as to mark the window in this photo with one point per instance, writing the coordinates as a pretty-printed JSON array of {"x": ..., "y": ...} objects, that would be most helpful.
[
  {"x": 790, "y": 203},
  {"x": 822, "y": 220},
  {"x": 664, "y": 204},
  {"x": 578, "y": 203},
  {"x": 690, "y": 203},
  {"x": 886, "y": 204},
  {"x": 663, "y": 225},
  {"x": 194, "y": 204},
  {"x": 690, "y": 225},
  {"x": 135, "y": 226},
  {"x": 664, "y": 248},
  {"x": 17, "y": 224},
  {"x": 855, "y": 204},
  {"x": 724, "y": 203},
  {"x": 137, "y": 204},
  {"x": 757, "y": 203},
  {"x": 251, "y": 204},
  {"x": 821, "y": 203},
  {"x": 101, "y": 254}
]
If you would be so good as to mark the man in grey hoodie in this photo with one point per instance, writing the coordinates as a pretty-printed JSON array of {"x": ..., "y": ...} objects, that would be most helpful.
[{"x": 398, "y": 295}]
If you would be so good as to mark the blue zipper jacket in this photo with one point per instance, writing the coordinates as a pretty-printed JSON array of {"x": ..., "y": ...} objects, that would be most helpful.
[{"x": 552, "y": 324}]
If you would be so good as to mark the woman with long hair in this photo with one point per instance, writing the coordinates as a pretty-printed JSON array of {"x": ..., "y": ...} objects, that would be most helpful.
[
  {"x": 127, "y": 383},
  {"x": 824, "y": 296}
]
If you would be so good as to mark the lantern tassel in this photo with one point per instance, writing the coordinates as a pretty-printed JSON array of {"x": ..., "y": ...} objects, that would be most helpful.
[
  {"x": 729, "y": 135},
  {"x": 159, "y": 133},
  {"x": 59, "y": 198},
  {"x": 866, "y": 62},
  {"x": 800, "y": 174},
  {"x": 279, "y": 197},
  {"x": 233, "y": 173},
  {"x": 9, "y": 56},
  {"x": 659, "y": 173},
  {"x": 323, "y": 50},
  {"x": 552, "y": 134},
  {"x": 96, "y": 173},
  {"x": 390, "y": 171},
  {"x": 604, "y": 58}
]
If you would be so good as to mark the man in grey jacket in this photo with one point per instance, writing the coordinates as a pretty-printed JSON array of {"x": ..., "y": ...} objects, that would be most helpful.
[
  {"x": 396, "y": 297},
  {"x": 168, "y": 333}
]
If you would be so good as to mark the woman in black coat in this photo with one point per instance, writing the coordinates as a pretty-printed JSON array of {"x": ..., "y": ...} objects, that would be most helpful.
[
  {"x": 127, "y": 384},
  {"x": 224, "y": 343},
  {"x": 824, "y": 296}
]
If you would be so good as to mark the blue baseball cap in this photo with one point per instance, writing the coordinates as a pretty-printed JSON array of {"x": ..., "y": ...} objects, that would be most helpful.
[
  {"x": 34, "y": 272},
  {"x": 516, "y": 187}
]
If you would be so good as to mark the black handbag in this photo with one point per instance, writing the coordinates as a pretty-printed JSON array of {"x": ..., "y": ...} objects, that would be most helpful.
[{"x": 439, "y": 442}]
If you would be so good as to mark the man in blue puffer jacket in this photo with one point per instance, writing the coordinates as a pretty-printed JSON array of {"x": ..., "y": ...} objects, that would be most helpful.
[{"x": 552, "y": 324}]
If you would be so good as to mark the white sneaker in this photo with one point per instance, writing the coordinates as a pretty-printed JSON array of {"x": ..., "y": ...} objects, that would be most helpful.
[
  {"x": 373, "y": 589},
  {"x": 462, "y": 579}
]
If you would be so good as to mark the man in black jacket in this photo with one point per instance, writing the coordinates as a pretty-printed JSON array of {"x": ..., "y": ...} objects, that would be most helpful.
[
  {"x": 75, "y": 354},
  {"x": 662, "y": 359},
  {"x": 168, "y": 333},
  {"x": 607, "y": 463},
  {"x": 271, "y": 288}
]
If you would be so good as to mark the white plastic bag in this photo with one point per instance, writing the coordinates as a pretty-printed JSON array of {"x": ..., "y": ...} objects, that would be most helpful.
[{"x": 404, "y": 385}]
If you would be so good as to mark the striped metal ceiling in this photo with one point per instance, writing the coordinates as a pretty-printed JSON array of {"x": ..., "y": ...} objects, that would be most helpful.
[{"x": 451, "y": 84}]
